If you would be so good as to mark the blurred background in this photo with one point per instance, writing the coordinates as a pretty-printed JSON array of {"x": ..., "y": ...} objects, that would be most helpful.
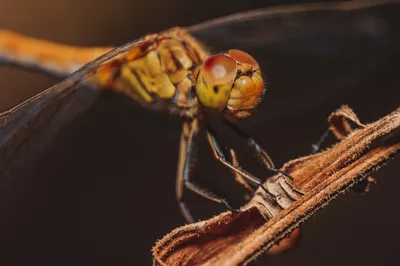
[{"x": 103, "y": 192}]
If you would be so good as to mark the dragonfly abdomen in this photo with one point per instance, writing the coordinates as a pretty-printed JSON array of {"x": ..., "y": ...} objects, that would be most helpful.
[{"x": 53, "y": 58}]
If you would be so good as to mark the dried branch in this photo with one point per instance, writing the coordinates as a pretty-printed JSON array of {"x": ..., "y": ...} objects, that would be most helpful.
[{"x": 232, "y": 239}]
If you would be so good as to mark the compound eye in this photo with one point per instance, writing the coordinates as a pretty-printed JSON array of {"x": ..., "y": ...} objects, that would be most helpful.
[
  {"x": 244, "y": 57},
  {"x": 219, "y": 69},
  {"x": 215, "y": 80}
]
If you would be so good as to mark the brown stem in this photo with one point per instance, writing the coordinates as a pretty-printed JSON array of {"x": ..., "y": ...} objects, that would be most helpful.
[{"x": 232, "y": 239}]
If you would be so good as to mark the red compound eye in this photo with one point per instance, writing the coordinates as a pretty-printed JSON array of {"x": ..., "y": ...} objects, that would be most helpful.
[
  {"x": 244, "y": 57},
  {"x": 219, "y": 69}
]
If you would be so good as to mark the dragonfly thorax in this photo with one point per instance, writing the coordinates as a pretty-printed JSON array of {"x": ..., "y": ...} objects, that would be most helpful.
[{"x": 158, "y": 72}]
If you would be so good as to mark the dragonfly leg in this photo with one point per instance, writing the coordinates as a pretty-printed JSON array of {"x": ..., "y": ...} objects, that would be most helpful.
[
  {"x": 189, "y": 133},
  {"x": 317, "y": 146},
  {"x": 238, "y": 178},
  {"x": 209, "y": 195},
  {"x": 261, "y": 153},
  {"x": 220, "y": 156}
]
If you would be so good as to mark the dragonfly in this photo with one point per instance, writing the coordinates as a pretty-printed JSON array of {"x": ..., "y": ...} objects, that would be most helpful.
[{"x": 173, "y": 71}]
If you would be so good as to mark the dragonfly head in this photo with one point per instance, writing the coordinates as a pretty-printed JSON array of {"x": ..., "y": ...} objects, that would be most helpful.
[{"x": 230, "y": 82}]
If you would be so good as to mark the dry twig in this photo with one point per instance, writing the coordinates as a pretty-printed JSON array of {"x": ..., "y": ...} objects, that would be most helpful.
[{"x": 232, "y": 239}]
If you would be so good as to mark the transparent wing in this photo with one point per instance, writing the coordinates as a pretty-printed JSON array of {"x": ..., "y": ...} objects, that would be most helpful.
[
  {"x": 63, "y": 88},
  {"x": 29, "y": 126},
  {"x": 263, "y": 27},
  {"x": 325, "y": 51}
]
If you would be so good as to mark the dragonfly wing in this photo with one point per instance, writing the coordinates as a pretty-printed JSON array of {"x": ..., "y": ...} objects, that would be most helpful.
[
  {"x": 30, "y": 126},
  {"x": 325, "y": 51},
  {"x": 263, "y": 27}
]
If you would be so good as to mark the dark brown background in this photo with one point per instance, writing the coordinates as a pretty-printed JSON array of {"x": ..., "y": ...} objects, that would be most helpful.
[{"x": 104, "y": 191}]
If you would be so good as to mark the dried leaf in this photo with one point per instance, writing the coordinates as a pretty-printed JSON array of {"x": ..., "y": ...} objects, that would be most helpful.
[
  {"x": 232, "y": 239},
  {"x": 341, "y": 122}
]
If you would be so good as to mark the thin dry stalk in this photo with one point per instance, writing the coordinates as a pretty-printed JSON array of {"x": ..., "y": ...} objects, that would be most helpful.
[{"x": 236, "y": 239}]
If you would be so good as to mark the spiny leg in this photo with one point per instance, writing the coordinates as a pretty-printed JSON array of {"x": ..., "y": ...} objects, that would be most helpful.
[
  {"x": 240, "y": 179},
  {"x": 220, "y": 156},
  {"x": 262, "y": 154},
  {"x": 230, "y": 155},
  {"x": 189, "y": 133},
  {"x": 317, "y": 146}
]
